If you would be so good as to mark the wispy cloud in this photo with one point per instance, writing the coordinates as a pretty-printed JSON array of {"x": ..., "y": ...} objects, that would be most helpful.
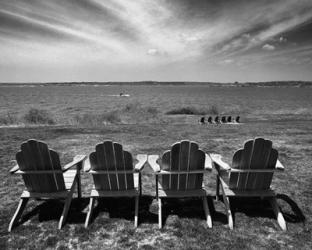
[{"x": 129, "y": 35}]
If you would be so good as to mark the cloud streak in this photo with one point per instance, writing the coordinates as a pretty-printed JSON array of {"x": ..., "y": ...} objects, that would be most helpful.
[{"x": 145, "y": 34}]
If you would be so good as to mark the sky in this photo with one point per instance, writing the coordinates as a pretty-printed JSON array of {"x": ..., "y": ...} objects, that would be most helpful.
[{"x": 156, "y": 40}]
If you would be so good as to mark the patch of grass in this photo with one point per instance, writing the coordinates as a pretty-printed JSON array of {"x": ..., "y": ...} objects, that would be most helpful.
[
  {"x": 193, "y": 111},
  {"x": 97, "y": 119},
  {"x": 38, "y": 116},
  {"x": 8, "y": 119}
]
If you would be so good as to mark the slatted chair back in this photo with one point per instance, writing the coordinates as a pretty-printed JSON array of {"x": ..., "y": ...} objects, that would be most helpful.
[
  {"x": 257, "y": 154},
  {"x": 109, "y": 156},
  {"x": 183, "y": 156},
  {"x": 35, "y": 156}
]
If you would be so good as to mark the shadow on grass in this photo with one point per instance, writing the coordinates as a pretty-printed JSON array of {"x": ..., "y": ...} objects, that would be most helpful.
[
  {"x": 256, "y": 207},
  {"x": 297, "y": 216},
  {"x": 189, "y": 208},
  {"x": 124, "y": 208},
  {"x": 52, "y": 210}
]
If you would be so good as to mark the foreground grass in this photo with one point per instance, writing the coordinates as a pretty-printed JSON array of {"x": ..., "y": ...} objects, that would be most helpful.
[{"x": 185, "y": 228}]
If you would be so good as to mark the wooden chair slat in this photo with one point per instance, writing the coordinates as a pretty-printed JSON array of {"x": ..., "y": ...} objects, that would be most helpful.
[
  {"x": 235, "y": 165},
  {"x": 192, "y": 178},
  {"x": 55, "y": 162},
  {"x": 98, "y": 162},
  {"x": 175, "y": 164},
  {"x": 165, "y": 165},
  {"x": 259, "y": 161},
  {"x": 267, "y": 177},
  {"x": 129, "y": 166},
  {"x": 184, "y": 163},
  {"x": 111, "y": 163},
  {"x": 39, "y": 152},
  {"x": 120, "y": 165},
  {"x": 245, "y": 163}
]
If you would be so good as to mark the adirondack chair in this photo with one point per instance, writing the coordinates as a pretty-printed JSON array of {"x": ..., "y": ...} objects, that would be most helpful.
[
  {"x": 113, "y": 175},
  {"x": 250, "y": 175},
  {"x": 180, "y": 174},
  {"x": 45, "y": 178}
]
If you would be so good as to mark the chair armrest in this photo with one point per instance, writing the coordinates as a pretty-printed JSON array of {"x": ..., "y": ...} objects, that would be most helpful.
[
  {"x": 14, "y": 169},
  {"x": 279, "y": 166},
  {"x": 77, "y": 159},
  {"x": 87, "y": 165},
  {"x": 152, "y": 161},
  {"x": 216, "y": 159},
  {"x": 142, "y": 158},
  {"x": 208, "y": 162}
]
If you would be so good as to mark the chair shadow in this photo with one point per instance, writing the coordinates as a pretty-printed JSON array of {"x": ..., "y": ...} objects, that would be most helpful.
[
  {"x": 52, "y": 210},
  {"x": 189, "y": 208},
  {"x": 297, "y": 216},
  {"x": 256, "y": 207},
  {"x": 123, "y": 207}
]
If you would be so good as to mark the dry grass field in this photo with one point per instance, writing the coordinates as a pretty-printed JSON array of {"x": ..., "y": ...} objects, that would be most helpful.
[{"x": 141, "y": 124}]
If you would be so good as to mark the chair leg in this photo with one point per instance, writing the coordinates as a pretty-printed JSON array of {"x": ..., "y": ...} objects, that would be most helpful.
[
  {"x": 218, "y": 188},
  {"x": 227, "y": 208},
  {"x": 280, "y": 218},
  {"x": 67, "y": 203},
  {"x": 89, "y": 214},
  {"x": 207, "y": 212},
  {"x": 65, "y": 211},
  {"x": 159, "y": 214},
  {"x": 18, "y": 213},
  {"x": 136, "y": 211},
  {"x": 79, "y": 181}
]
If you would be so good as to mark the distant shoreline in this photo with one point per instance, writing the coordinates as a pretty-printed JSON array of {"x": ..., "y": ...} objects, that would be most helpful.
[{"x": 178, "y": 83}]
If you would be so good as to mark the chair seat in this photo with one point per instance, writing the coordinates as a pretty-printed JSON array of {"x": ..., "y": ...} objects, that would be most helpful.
[
  {"x": 180, "y": 193},
  {"x": 69, "y": 177},
  {"x": 247, "y": 193}
]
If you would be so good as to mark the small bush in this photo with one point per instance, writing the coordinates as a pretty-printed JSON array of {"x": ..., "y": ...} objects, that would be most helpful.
[
  {"x": 8, "y": 119},
  {"x": 97, "y": 119},
  {"x": 213, "y": 110},
  {"x": 38, "y": 116},
  {"x": 152, "y": 110},
  {"x": 193, "y": 111}
]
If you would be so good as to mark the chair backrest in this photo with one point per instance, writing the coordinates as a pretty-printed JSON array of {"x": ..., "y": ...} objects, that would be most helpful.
[
  {"x": 35, "y": 156},
  {"x": 256, "y": 154},
  {"x": 183, "y": 156},
  {"x": 109, "y": 156}
]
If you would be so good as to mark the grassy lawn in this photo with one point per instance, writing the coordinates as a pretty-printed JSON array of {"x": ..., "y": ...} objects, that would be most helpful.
[{"x": 185, "y": 227}]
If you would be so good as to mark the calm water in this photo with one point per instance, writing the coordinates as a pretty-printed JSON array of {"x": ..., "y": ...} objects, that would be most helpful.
[{"x": 249, "y": 101}]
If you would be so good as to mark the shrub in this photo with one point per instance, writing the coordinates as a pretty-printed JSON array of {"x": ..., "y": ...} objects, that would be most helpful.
[
  {"x": 97, "y": 119},
  {"x": 38, "y": 116},
  {"x": 152, "y": 110},
  {"x": 193, "y": 111},
  {"x": 213, "y": 110},
  {"x": 8, "y": 119}
]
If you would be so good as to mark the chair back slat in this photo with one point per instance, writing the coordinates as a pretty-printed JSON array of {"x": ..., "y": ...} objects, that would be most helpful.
[
  {"x": 35, "y": 155},
  {"x": 165, "y": 165},
  {"x": 184, "y": 164},
  {"x": 257, "y": 154},
  {"x": 260, "y": 157},
  {"x": 183, "y": 156},
  {"x": 175, "y": 164},
  {"x": 109, "y": 156},
  {"x": 129, "y": 166},
  {"x": 111, "y": 164},
  {"x": 197, "y": 162},
  {"x": 120, "y": 165}
]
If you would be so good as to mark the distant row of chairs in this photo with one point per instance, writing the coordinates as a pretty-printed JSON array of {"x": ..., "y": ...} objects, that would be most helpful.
[
  {"x": 217, "y": 119},
  {"x": 178, "y": 173}
]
